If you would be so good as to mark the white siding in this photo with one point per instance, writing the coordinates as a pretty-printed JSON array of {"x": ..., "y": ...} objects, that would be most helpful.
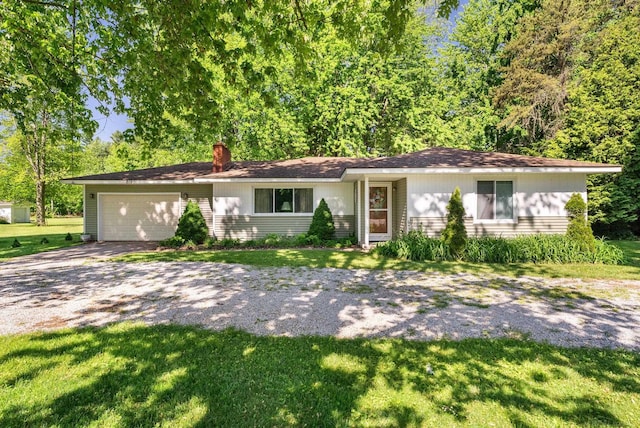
[
  {"x": 428, "y": 195},
  {"x": 547, "y": 194},
  {"x": 538, "y": 194},
  {"x": 236, "y": 199}
]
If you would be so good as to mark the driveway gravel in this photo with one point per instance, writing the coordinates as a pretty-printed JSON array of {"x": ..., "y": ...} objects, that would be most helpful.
[{"x": 305, "y": 301}]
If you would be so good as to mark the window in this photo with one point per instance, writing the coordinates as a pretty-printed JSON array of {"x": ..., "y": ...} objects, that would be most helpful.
[
  {"x": 495, "y": 200},
  {"x": 268, "y": 201}
]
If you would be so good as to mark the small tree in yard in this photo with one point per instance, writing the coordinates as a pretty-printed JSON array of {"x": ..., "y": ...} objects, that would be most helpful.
[
  {"x": 578, "y": 229},
  {"x": 322, "y": 224},
  {"x": 455, "y": 233},
  {"x": 192, "y": 225}
]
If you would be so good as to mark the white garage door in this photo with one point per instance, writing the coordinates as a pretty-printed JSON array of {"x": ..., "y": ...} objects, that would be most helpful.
[{"x": 138, "y": 217}]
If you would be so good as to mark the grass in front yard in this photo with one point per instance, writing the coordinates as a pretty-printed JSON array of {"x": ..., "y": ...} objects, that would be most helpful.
[
  {"x": 360, "y": 260},
  {"x": 134, "y": 375},
  {"x": 30, "y": 236}
]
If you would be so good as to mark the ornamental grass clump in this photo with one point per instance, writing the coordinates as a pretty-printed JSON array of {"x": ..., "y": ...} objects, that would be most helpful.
[
  {"x": 540, "y": 248},
  {"x": 454, "y": 234},
  {"x": 192, "y": 225}
]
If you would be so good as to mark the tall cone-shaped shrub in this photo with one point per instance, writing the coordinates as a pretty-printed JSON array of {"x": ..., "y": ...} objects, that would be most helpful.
[
  {"x": 578, "y": 229},
  {"x": 192, "y": 225},
  {"x": 322, "y": 224},
  {"x": 455, "y": 233}
]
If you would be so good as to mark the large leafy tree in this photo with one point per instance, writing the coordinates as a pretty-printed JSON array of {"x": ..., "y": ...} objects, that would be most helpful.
[
  {"x": 45, "y": 68},
  {"x": 472, "y": 64},
  {"x": 571, "y": 87},
  {"x": 179, "y": 62}
]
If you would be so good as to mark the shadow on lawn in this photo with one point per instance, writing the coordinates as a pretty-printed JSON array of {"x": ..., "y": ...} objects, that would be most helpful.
[{"x": 132, "y": 375}]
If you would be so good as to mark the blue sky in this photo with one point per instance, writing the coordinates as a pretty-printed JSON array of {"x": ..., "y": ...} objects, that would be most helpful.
[{"x": 107, "y": 125}]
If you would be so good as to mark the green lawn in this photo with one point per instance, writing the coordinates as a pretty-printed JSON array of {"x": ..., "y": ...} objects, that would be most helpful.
[
  {"x": 134, "y": 375},
  {"x": 361, "y": 260},
  {"x": 30, "y": 236}
]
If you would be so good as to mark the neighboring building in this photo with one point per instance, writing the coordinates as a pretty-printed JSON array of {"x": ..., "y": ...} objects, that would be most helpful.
[
  {"x": 371, "y": 198},
  {"x": 14, "y": 213}
]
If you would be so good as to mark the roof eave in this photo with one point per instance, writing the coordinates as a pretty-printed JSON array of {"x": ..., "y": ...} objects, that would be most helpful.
[
  {"x": 267, "y": 180},
  {"x": 506, "y": 170},
  {"x": 110, "y": 182}
]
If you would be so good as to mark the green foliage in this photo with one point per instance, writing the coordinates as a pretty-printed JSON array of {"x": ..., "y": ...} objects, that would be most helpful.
[
  {"x": 192, "y": 226},
  {"x": 68, "y": 237},
  {"x": 4, "y": 220},
  {"x": 16, "y": 243},
  {"x": 472, "y": 68},
  {"x": 578, "y": 229},
  {"x": 322, "y": 224},
  {"x": 44, "y": 241},
  {"x": 416, "y": 246},
  {"x": 173, "y": 242},
  {"x": 454, "y": 234}
]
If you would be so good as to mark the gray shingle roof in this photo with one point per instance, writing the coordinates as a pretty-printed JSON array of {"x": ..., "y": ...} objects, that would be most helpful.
[{"x": 334, "y": 167}]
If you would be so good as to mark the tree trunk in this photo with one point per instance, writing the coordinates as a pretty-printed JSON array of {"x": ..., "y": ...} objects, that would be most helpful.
[
  {"x": 40, "y": 208},
  {"x": 35, "y": 149}
]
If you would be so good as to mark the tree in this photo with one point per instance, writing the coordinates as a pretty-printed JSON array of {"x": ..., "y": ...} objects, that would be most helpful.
[
  {"x": 322, "y": 224},
  {"x": 472, "y": 68},
  {"x": 192, "y": 226},
  {"x": 43, "y": 61},
  {"x": 578, "y": 229},
  {"x": 455, "y": 232}
]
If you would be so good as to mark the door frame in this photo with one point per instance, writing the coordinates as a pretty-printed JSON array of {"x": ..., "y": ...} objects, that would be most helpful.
[{"x": 381, "y": 236}]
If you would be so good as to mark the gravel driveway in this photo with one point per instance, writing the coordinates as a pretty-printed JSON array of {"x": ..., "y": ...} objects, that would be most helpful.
[{"x": 305, "y": 301}]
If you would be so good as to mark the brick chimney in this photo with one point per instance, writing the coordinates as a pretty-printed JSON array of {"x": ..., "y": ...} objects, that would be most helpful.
[{"x": 221, "y": 157}]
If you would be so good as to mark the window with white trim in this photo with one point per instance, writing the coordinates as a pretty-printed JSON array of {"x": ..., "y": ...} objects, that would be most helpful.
[
  {"x": 495, "y": 200},
  {"x": 282, "y": 201}
]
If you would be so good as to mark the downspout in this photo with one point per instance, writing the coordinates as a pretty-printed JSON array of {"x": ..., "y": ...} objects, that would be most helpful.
[
  {"x": 365, "y": 195},
  {"x": 358, "y": 211}
]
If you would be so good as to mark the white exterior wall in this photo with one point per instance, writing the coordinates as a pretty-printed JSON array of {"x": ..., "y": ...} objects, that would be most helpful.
[
  {"x": 547, "y": 194},
  {"x": 236, "y": 199},
  {"x": 428, "y": 195},
  {"x": 536, "y": 195},
  {"x": 5, "y": 212}
]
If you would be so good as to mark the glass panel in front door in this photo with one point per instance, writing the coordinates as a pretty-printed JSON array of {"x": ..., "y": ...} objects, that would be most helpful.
[{"x": 378, "y": 209}]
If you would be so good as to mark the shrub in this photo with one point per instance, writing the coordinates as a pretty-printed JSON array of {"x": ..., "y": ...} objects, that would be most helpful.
[
  {"x": 455, "y": 233},
  {"x": 68, "y": 237},
  {"x": 4, "y": 220},
  {"x": 44, "y": 241},
  {"x": 192, "y": 225},
  {"x": 173, "y": 242},
  {"x": 578, "y": 229},
  {"x": 322, "y": 224},
  {"x": 16, "y": 243}
]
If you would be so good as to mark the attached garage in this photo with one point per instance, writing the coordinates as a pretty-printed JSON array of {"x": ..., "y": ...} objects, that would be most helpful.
[{"x": 137, "y": 216}]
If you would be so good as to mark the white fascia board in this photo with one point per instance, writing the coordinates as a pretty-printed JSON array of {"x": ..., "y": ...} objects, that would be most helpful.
[
  {"x": 125, "y": 182},
  {"x": 267, "y": 180},
  {"x": 528, "y": 170}
]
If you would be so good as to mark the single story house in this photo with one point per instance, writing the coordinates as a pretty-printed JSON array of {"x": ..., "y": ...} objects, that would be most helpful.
[
  {"x": 374, "y": 199},
  {"x": 14, "y": 213}
]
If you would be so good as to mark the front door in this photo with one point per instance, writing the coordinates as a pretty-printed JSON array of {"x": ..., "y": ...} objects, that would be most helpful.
[{"x": 379, "y": 211}]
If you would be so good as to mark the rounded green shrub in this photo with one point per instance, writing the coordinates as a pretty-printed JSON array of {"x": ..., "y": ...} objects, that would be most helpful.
[
  {"x": 322, "y": 224},
  {"x": 455, "y": 233},
  {"x": 192, "y": 225}
]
